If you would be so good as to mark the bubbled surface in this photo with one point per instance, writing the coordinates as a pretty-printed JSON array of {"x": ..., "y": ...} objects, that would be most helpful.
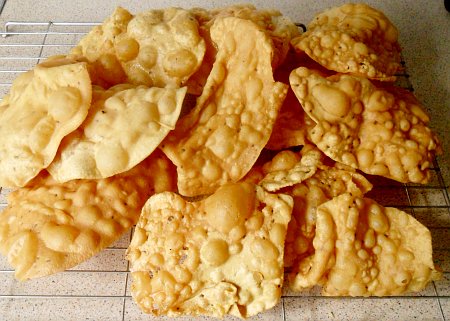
[
  {"x": 354, "y": 38},
  {"x": 153, "y": 48},
  {"x": 125, "y": 124},
  {"x": 377, "y": 250},
  {"x": 43, "y": 106},
  {"x": 222, "y": 137},
  {"x": 379, "y": 130},
  {"x": 49, "y": 227},
  {"x": 217, "y": 256}
]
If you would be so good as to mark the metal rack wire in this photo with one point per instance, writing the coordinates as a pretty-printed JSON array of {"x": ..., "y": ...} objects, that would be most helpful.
[{"x": 102, "y": 283}]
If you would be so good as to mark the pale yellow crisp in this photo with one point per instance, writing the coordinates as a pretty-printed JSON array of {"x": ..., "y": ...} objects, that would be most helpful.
[
  {"x": 49, "y": 227},
  {"x": 125, "y": 124},
  {"x": 279, "y": 28},
  {"x": 43, "y": 106},
  {"x": 374, "y": 250},
  {"x": 379, "y": 130},
  {"x": 159, "y": 48},
  {"x": 97, "y": 47},
  {"x": 353, "y": 38},
  {"x": 218, "y": 256},
  {"x": 222, "y": 137}
]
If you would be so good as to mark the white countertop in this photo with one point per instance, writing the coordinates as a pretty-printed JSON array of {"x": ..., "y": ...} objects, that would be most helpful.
[{"x": 425, "y": 37}]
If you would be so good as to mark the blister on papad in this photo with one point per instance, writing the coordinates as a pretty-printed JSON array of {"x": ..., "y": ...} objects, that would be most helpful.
[
  {"x": 381, "y": 130},
  {"x": 363, "y": 248},
  {"x": 353, "y": 38},
  {"x": 43, "y": 106},
  {"x": 222, "y": 137},
  {"x": 49, "y": 227},
  {"x": 125, "y": 124},
  {"x": 221, "y": 255}
]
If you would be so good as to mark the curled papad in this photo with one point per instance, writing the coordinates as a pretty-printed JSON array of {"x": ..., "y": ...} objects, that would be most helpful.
[
  {"x": 43, "y": 106},
  {"x": 354, "y": 38},
  {"x": 125, "y": 124},
  {"x": 221, "y": 255},
  {"x": 379, "y": 130},
  {"x": 222, "y": 137},
  {"x": 311, "y": 179},
  {"x": 363, "y": 249},
  {"x": 279, "y": 28},
  {"x": 49, "y": 227}
]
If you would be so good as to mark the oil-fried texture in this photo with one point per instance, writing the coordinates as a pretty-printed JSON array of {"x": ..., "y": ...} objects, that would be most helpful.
[
  {"x": 43, "y": 106},
  {"x": 153, "y": 48},
  {"x": 221, "y": 255},
  {"x": 49, "y": 227},
  {"x": 223, "y": 135},
  {"x": 125, "y": 124},
  {"x": 365, "y": 249},
  {"x": 278, "y": 27},
  {"x": 353, "y": 38},
  {"x": 379, "y": 130}
]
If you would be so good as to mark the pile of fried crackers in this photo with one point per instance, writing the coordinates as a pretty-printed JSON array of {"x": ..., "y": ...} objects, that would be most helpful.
[{"x": 235, "y": 143}]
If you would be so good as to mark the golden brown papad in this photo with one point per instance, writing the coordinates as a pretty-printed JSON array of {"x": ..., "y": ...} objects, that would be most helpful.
[
  {"x": 379, "y": 130},
  {"x": 353, "y": 38},
  {"x": 49, "y": 227},
  {"x": 278, "y": 27},
  {"x": 363, "y": 248},
  {"x": 221, "y": 255},
  {"x": 222, "y": 137},
  {"x": 125, "y": 124},
  {"x": 43, "y": 105},
  {"x": 153, "y": 48},
  {"x": 324, "y": 180}
]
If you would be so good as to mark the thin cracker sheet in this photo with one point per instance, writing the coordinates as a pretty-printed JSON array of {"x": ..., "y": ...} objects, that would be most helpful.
[
  {"x": 125, "y": 124},
  {"x": 222, "y": 137},
  {"x": 353, "y": 38},
  {"x": 221, "y": 255},
  {"x": 49, "y": 227},
  {"x": 279, "y": 28},
  {"x": 328, "y": 182},
  {"x": 374, "y": 250},
  {"x": 380, "y": 130},
  {"x": 43, "y": 106},
  {"x": 154, "y": 48}
]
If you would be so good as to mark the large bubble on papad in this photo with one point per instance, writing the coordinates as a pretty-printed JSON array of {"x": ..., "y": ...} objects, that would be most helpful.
[
  {"x": 221, "y": 255},
  {"x": 381, "y": 130},
  {"x": 125, "y": 124},
  {"x": 49, "y": 227},
  {"x": 43, "y": 106},
  {"x": 353, "y": 38},
  {"x": 223, "y": 135},
  {"x": 374, "y": 250}
]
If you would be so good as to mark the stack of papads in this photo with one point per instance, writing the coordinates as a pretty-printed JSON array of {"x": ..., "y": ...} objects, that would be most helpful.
[{"x": 84, "y": 137}]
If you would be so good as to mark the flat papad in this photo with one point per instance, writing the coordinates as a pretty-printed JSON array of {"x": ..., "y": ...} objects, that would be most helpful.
[
  {"x": 125, "y": 124},
  {"x": 49, "y": 227},
  {"x": 380, "y": 130},
  {"x": 363, "y": 249},
  {"x": 222, "y": 137},
  {"x": 354, "y": 38},
  {"x": 43, "y": 105},
  {"x": 221, "y": 255}
]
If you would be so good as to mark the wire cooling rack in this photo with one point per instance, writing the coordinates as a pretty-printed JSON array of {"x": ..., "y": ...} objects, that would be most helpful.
[{"x": 99, "y": 288}]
